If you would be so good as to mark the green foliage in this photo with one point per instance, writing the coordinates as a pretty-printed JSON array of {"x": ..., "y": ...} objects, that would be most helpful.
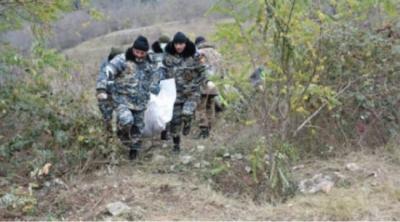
[
  {"x": 271, "y": 169},
  {"x": 54, "y": 128},
  {"x": 43, "y": 57},
  {"x": 326, "y": 67},
  {"x": 257, "y": 160},
  {"x": 280, "y": 181},
  {"x": 40, "y": 124},
  {"x": 16, "y": 13},
  {"x": 289, "y": 39},
  {"x": 18, "y": 200},
  {"x": 218, "y": 168},
  {"x": 373, "y": 99}
]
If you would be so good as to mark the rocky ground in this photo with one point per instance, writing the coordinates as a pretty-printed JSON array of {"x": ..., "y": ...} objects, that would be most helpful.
[{"x": 163, "y": 186}]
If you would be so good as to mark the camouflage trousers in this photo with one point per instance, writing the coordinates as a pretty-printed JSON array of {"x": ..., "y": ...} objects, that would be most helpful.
[
  {"x": 182, "y": 114},
  {"x": 130, "y": 124},
  {"x": 106, "y": 107},
  {"x": 206, "y": 110}
]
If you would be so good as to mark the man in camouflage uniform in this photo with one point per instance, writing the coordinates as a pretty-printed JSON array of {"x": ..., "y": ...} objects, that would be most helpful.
[
  {"x": 134, "y": 78},
  {"x": 209, "y": 92},
  {"x": 157, "y": 55},
  {"x": 105, "y": 103},
  {"x": 183, "y": 64},
  {"x": 157, "y": 52}
]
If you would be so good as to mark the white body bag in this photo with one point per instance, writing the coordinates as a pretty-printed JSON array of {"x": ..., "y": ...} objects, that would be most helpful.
[{"x": 160, "y": 108}]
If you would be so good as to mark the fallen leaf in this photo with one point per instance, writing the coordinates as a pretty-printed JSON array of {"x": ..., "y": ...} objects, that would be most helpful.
[{"x": 45, "y": 169}]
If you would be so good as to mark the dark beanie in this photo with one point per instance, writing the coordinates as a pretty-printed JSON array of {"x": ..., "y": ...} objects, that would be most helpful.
[
  {"x": 199, "y": 40},
  {"x": 141, "y": 43},
  {"x": 180, "y": 38}
]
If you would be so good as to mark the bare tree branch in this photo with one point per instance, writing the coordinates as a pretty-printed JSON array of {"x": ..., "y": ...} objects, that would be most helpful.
[{"x": 301, "y": 126}]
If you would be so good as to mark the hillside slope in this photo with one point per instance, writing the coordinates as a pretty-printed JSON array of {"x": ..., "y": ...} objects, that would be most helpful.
[
  {"x": 162, "y": 186},
  {"x": 152, "y": 195}
]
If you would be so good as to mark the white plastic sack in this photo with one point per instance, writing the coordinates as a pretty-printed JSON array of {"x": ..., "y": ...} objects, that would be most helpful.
[{"x": 160, "y": 108}]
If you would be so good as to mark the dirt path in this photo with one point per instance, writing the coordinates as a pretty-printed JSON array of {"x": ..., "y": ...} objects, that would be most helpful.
[
  {"x": 153, "y": 197},
  {"x": 179, "y": 196}
]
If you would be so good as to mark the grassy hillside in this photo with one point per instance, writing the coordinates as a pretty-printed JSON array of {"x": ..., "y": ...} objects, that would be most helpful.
[
  {"x": 90, "y": 19},
  {"x": 316, "y": 140}
]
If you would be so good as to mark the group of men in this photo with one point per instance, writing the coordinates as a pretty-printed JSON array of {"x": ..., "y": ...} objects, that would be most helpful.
[{"x": 126, "y": 80}]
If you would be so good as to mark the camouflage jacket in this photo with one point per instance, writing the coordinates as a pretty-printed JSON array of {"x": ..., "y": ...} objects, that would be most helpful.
[
  {"x": 131, "y": 83},
  {"x": 213, "y": 60},
  {"x": 102, "y": 83},
  {"x": 157, "y": 58},
  {"x": 188, "y": 72},
  {"x": 157, "y": 54}
]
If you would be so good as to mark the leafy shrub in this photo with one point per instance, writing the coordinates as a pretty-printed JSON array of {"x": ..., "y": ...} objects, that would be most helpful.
[{"x": 329, "y": 76}]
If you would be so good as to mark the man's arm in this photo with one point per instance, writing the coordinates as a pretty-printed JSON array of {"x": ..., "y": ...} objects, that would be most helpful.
[
  {"x": 168, "y": 67},
  {"x": 201, "y": 77},
  {"x": 157, "y": 76},
  {"x": 101, "y": 83},
  {"x": 108, "y": 72}
]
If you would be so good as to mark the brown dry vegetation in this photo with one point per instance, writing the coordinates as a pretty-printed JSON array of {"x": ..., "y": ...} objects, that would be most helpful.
[
  {"x": 160, "y": 187},
  {"x": 166, "y": 189},
  {"x": 115, "y": 15},
  {"x": 181, "y": 195}
]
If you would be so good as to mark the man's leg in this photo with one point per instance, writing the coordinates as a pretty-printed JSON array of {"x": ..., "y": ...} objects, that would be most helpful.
[
  {"x": 219, "y": 105},
  {"x": 124, "y": 126},
  {"x": 202, "y": 114},
  {"x": 136, "y": 133},
  {"x": 187, "y": 115},
  {"x": 106, "y": 109},
  {"x": 210, "y": 115},
  {"x": 165, "y": 133},
  {"x": 176, "y": 126}
]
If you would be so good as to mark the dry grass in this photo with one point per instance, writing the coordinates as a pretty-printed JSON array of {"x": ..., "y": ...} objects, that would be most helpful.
[
  {"x": 92, "y": 51},
  {"x": 180, "y": 195},
  {"x": 367, "y": 198},
  {"x": 154, "y": 197},
  {"x": 168, "y": 190}
]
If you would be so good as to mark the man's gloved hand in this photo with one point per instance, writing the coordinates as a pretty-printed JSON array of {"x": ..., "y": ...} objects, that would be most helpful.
[
  {"x": 101, "y": 95},
  {"x": 202, "y": 58}
]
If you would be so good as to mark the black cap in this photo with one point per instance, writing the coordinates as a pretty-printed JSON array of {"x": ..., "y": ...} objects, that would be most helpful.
[
  {"x": 199, "y": 39},
  {"x": 141, "y": 43},
  {"x": 180, "y": 38}
]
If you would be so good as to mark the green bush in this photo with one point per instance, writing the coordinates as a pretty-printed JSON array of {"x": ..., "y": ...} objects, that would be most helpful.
[
  {"x": 330, "y": 76},
  {"x": 39, "y": 125}
]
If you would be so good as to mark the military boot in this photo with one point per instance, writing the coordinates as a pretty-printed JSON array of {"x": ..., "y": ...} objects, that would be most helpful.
[
  {"x": 177, "y": 144},
  {"x": 134, "y": 150},
  {"x": 133, "y": 154},
  {"x": 136, "y": 143},
  {"x": 204, "y": 133},
  {"x": 164, "y": 135}
]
